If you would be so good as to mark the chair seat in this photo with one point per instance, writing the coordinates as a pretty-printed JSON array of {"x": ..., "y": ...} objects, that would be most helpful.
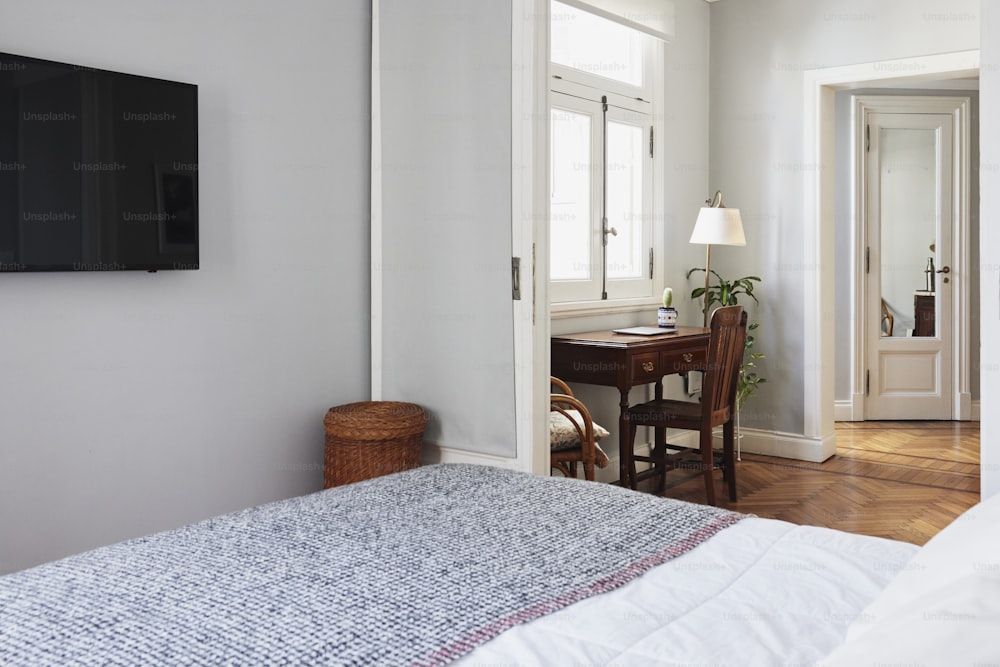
[
  {"x": 672, "y": 414},
  {"x": 563, "y": 433}
]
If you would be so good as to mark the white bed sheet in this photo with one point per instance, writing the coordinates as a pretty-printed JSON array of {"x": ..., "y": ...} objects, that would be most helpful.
[{"x": 761, "y": 592}]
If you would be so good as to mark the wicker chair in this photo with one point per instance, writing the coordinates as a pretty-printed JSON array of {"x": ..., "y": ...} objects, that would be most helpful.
[
  {"x": 573, "y": 435},
  {"x": 717, "y": 407}
]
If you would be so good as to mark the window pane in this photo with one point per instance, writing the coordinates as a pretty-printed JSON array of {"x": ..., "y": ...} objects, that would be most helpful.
[
  {"x": 595, "y": 45},
  {"x": 626, "y": 251},
  {"x": 571, "y": 165}
]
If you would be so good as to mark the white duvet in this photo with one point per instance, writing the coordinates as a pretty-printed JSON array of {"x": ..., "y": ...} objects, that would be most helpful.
[{"x": 761, "y": 592}]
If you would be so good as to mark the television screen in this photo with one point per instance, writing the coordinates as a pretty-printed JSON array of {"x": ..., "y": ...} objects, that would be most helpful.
[{"x": 98, "y": 169}]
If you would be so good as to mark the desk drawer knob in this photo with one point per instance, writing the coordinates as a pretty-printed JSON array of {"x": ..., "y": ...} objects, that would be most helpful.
[
  {"x": 648, "y": 366},
  {"x": 687, "y": 356}
]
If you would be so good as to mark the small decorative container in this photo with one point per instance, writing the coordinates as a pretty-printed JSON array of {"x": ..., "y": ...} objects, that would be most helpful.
[{"x": 666, "y": 317}]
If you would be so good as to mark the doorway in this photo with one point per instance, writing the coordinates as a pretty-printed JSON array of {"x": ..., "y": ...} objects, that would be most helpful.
[{"x": 912, "y": 267}]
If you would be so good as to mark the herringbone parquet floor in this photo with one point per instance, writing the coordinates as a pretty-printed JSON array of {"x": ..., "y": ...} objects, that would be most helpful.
[{"x": 901, "y": 480}]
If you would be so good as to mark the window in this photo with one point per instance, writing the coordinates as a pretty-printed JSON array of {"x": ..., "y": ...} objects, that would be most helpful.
[{"x": 602, "y": 239}]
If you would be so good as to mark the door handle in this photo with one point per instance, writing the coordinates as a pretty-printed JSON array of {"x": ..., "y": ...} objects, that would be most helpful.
[{"x": 946, "y": 269}]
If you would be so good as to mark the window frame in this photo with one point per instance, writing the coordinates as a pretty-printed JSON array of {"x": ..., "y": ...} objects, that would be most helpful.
[{"x": 650, "y": 100}]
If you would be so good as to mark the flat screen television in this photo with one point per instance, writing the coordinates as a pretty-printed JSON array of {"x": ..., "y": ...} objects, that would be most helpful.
[{"x": 98, "y": 169}]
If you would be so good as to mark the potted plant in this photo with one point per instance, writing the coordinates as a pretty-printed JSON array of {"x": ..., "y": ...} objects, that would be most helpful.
[
  {"x": 727, "y": 293},
  {"x": 666, "y": 315}
]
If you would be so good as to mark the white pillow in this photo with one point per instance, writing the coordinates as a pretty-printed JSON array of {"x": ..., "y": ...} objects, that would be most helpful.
[
  {"x": 943, "y": 608},
  {"x": 562, "y": 433}
]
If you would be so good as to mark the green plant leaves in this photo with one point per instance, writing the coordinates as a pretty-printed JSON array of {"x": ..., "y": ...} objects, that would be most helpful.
[{"x": 727, "y": 293}]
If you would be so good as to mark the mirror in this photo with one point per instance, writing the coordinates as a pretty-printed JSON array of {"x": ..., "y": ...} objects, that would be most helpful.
[{"x": 908, "y": 222}]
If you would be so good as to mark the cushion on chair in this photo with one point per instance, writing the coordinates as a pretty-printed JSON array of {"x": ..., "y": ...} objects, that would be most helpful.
[{"x": 563, "y": 434}]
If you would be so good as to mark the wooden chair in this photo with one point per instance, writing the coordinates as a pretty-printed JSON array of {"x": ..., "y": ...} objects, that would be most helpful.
[
  {"x": 717, "y": 407},
  {"x": 886, "y": 320},
  {"x": 573, "y": 435}
]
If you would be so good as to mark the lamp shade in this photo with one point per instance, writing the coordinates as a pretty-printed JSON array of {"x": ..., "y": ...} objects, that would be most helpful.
[{"x": 719, "y": 226}]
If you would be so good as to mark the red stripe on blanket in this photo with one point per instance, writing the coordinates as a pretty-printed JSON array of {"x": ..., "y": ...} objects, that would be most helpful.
[{"x": 461, "y": 646}]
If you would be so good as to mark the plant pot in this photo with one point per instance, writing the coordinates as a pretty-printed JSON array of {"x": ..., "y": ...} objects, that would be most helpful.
[{"x": 666, "y": 317}]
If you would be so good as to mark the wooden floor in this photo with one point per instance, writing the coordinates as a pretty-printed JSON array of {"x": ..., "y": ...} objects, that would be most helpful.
[{"x": 901, "y": 480}]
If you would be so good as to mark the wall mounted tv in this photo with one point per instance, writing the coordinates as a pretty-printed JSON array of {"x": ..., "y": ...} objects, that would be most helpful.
[{"x": 98, "y": 169}]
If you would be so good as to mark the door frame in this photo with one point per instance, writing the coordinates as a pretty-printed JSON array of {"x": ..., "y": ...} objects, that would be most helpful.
[
  {"x": 819, "y": 193},
  {"x": 958, "y": 107}
]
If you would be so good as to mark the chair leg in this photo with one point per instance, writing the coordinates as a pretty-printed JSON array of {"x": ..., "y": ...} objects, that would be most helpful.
[
  {"x": 661, "y": 444},
  {"x": 707, "y": 463},
  {"x": 572, "y": 468},
  {"x": 729, "y": 457},
  {"x": 588, "y": 471}
]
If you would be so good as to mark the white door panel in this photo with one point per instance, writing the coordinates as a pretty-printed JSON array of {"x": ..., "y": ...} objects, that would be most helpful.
[
  {"x": 909, "y": 175},
  {"x": 907, "y": 374},
  {"x": 446, "y": 319}
]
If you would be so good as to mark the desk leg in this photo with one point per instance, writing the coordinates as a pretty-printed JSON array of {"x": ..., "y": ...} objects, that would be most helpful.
[
  {"x": 660, "y": 441},
  {"x": 625, "y": 464}
]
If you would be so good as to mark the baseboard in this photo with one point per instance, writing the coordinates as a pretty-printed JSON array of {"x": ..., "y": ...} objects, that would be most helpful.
[
  {"x": 850, "y": 410},
  {"x": 789, "y": 445},
  {"x": 843, "y": 411},
  {"x": 772, "y": 443},
  {"x": 434, "y": 453}
]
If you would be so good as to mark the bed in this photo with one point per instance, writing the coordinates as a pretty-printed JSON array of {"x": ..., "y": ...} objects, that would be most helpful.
[{"x": 473, "y": 565}]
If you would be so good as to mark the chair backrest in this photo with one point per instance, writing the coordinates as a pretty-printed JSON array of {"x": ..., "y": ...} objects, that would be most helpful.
[{"x": 725, "y": 356}]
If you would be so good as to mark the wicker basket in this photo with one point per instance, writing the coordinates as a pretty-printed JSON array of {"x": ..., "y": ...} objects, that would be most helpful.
[{"x": 370, "y": 439}]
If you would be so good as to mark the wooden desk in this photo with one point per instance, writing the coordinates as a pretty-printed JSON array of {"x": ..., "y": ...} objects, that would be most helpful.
[{"x": 624, "y": 361}]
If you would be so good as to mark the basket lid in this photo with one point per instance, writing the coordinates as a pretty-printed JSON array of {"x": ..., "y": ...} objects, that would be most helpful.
[{"x": 373, "y": 417}]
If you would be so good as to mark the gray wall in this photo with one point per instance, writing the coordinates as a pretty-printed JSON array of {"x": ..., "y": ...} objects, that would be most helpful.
[
  {"x": 133, "y": 402},
  {"x": 758, "y": 55},
  {"x": 845, "y": 210}
]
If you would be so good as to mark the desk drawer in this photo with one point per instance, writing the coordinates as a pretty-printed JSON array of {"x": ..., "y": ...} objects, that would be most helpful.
[
  {"x": 682, "y": 361},
  {"x": 646, "y": 367}
]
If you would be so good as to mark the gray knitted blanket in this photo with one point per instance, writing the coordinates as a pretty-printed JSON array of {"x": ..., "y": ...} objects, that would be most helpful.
[{"x": 416, "y": 568}]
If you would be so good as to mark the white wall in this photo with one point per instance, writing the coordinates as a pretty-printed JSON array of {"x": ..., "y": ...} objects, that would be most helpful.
[
  {"x": 989, "y": 244},
  {"x": 759, "y": 53},
  {"x": 132, "y": 402}
]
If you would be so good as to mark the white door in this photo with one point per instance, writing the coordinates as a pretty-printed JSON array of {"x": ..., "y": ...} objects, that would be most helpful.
[{"x": 909, "y": 315}]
